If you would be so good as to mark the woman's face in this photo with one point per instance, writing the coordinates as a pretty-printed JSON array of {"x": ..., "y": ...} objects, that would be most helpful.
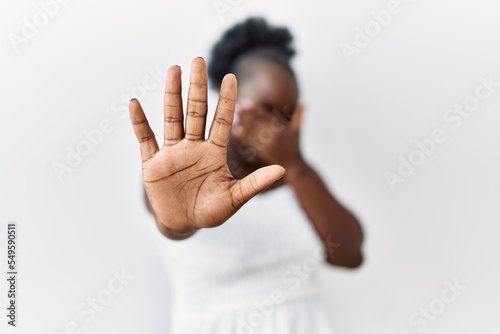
[{"x": 274, "y": 90}]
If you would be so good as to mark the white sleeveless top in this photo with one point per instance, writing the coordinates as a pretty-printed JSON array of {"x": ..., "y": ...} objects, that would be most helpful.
[{"x": 256, "y": 273}]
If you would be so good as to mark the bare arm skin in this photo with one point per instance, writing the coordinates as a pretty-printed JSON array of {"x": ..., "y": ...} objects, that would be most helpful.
[
  {"x": 333, "y": 222},
  {"x": 189, "y": 186}
]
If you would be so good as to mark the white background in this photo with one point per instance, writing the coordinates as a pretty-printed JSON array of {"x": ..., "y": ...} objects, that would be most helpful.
[{"x": 441, "y": 223}]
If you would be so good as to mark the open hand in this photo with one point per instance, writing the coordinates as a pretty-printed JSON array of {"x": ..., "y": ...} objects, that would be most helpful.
[{"x": 187, "y": 181}]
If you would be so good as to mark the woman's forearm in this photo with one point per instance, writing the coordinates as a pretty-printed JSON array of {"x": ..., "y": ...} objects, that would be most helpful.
[{"x": 333, "y": 222}]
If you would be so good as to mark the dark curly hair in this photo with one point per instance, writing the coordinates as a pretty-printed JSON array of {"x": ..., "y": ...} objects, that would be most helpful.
[{"x": 252, "y": 38}]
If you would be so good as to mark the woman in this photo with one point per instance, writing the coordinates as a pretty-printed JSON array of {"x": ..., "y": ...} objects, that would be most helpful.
[{"x": 256, "y": 271}]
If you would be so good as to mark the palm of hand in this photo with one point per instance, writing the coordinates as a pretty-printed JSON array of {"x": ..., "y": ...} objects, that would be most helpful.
[
  {"x": 187, "y": 181},
  {"x": 191, "y": 181}
]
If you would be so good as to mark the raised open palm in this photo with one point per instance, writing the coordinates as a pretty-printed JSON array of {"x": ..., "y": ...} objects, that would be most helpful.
[{"x": 187, "y": 181}]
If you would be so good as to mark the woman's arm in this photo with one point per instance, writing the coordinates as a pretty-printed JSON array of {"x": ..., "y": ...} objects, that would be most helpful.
[
  {"x": 339, "y": 230},
  {"x": 333, "y": 222}
]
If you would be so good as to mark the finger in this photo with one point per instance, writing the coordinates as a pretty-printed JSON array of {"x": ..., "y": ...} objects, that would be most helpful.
[
  {"x": 172, "y": 107},
  {"x": 244, "y": 120},
  {"x": 143, "y": 131},
  {"x": 256, "y": 182},
  {"x": 296, "y": 121},
  {"x": 224, "y": 113},
  {"x": 197, "y": 101}
]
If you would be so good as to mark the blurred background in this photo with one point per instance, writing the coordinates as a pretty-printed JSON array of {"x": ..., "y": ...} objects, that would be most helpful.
[{"x": 70, "y": 67}]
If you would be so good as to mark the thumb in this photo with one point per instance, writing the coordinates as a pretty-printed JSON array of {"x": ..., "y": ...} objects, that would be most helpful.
[{"x": 257, "y": 182}]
